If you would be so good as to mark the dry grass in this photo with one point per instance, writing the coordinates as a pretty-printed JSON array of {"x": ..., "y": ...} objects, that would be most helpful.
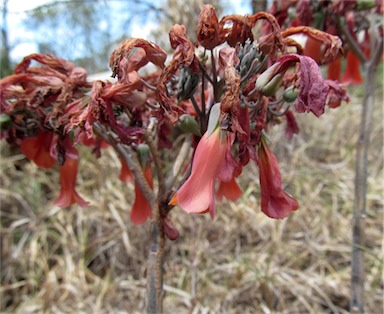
[{"x": 93, "y": 260}]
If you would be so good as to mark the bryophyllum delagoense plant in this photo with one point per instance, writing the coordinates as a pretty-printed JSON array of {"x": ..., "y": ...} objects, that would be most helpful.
[{"x": 216, "y": 98}]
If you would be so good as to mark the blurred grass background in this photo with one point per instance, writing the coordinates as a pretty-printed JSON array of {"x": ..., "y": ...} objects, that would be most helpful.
[{"x": 93, "y": 260}]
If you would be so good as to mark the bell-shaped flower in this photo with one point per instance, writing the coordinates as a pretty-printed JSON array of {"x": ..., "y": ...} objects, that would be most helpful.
[
  {"x": 38, "y": 148},
  {"x": 141, "y": 209},
  {"x": 352, "y": 74},
  {"x": 312, "y": 49},
  {"x": 125, "y": 174},
  {"x": 275, "y": 203},
  {"x": 230, "y": 190},
  {"x": 197, "y": 194},
  {"x": 229, "y": 171},
  {"x": 334, "y": 70},
  {"x": 68, "y": 194}
]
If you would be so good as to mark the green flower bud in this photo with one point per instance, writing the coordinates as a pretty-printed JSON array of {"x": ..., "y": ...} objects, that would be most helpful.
[
  {"x": 143, "y": 154},
  {"x": 187, "y": 84},
  {"x": 365, "y": 4},
  {"x": 5, "y": 121},
  {"x": 290, "y": 94},
  {"x": 272, "y": 86},
  {"x": 270, "y": 80},
  {"x": 188, "y": 124}
]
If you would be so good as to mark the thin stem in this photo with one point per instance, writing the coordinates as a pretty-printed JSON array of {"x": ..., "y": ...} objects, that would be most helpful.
[
  {"x": 359, "y": 208},
  {"x": 131, "y": 160},
  {"x": 155, "y": 263},
  {"x": 203, "y": 109},
  {"x": 148, "y": 85},
  {"x": 195, "y": 105},
  {"x": 351, "y": 41},
  {"x": 204, "y": 71},
  {"x": 179, "y": 162},
  {"x": 214, "y": 75},
  {"x": 157, "y": 161}
]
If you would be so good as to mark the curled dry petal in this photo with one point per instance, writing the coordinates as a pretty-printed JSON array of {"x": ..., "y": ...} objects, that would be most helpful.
[
  {"x": 183, "y": 57},
  {"x": 336, "y": 94},
  {"x": 230, "y": 102},
  {"x": 333, "y": 44},
  {"x": 313, "y": 90},
  {"x": 274, "y": 42},
  {"x": 154, "y": 53},
  {"x": 235, "y": 29},
  {"x": 61, "y": 65},
  {"x": 208, "y": 28}
]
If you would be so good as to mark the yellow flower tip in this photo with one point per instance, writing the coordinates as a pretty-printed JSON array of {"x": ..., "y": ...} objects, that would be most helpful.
[{"x": 173, "y": 201}]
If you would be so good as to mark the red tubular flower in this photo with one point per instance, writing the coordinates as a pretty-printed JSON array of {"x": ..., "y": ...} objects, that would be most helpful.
[
  {"x": 352, "y": 74},
  {"x": 313, "y": 49},
  {"x": 68, "y": 194},
  {"x": 141, "y": 209},
  {"x": 37, "y": 149},
  {"x": 197, "y": 193},
  {"x": 125, "y": 174},
  {"x": 334, "y": 70},
  {"x": 275, "y": 203},
  {"x": 230, "y": 190}
]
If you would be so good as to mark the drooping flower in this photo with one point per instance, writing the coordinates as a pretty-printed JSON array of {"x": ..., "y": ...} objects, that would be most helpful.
[
  {"x": 38, "y": 148},
  {"x": 229, "y": 171},
  {"x": 125, "y": 174},
  {"x": 313, "y": 90},
  {"x": 334, "y": 70},
  {"x": 208, "y": 28},
  {"x": 230, "y": 190},
  {"x": 313, "y": 49},
  {"x": 337, "y": 94},
  {"x": 197, "y": 194},
  {"x": 141, "y": 209},
  {"x": 292, "y": 126},
  {"x": 352, "y": 74},
  {"x": 275, "y": 202},
  {"x": 68, "y": 194}
]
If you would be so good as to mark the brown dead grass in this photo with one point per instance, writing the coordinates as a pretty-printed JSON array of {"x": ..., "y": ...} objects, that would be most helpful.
[{"x": 93, "y": 260}]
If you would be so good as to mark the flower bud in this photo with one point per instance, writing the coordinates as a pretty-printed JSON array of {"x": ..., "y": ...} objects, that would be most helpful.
[
  {"x": 365, "y": 4},
  {"x": 187, "y": 84},
  {"x": 290, "y": 94},
  {"x": 188, "y": 124},
  {"x": 5, "y": 121},
  {"x": 270, "y": 80},
  {"x": 143, "y": 154}
]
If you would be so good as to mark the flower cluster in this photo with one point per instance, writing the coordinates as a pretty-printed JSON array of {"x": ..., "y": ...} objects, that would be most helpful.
[
  {"x": 218, "y": 95},
  {"x": 337, "y": 17}
]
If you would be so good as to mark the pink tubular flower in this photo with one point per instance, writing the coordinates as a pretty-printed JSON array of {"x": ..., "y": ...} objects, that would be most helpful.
[
  {"x": 197, "y": 193},
  {"x": 275, "y": 203},
  {"x": 68, "y": 194},
  {"x": 141, "y": 209}
]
